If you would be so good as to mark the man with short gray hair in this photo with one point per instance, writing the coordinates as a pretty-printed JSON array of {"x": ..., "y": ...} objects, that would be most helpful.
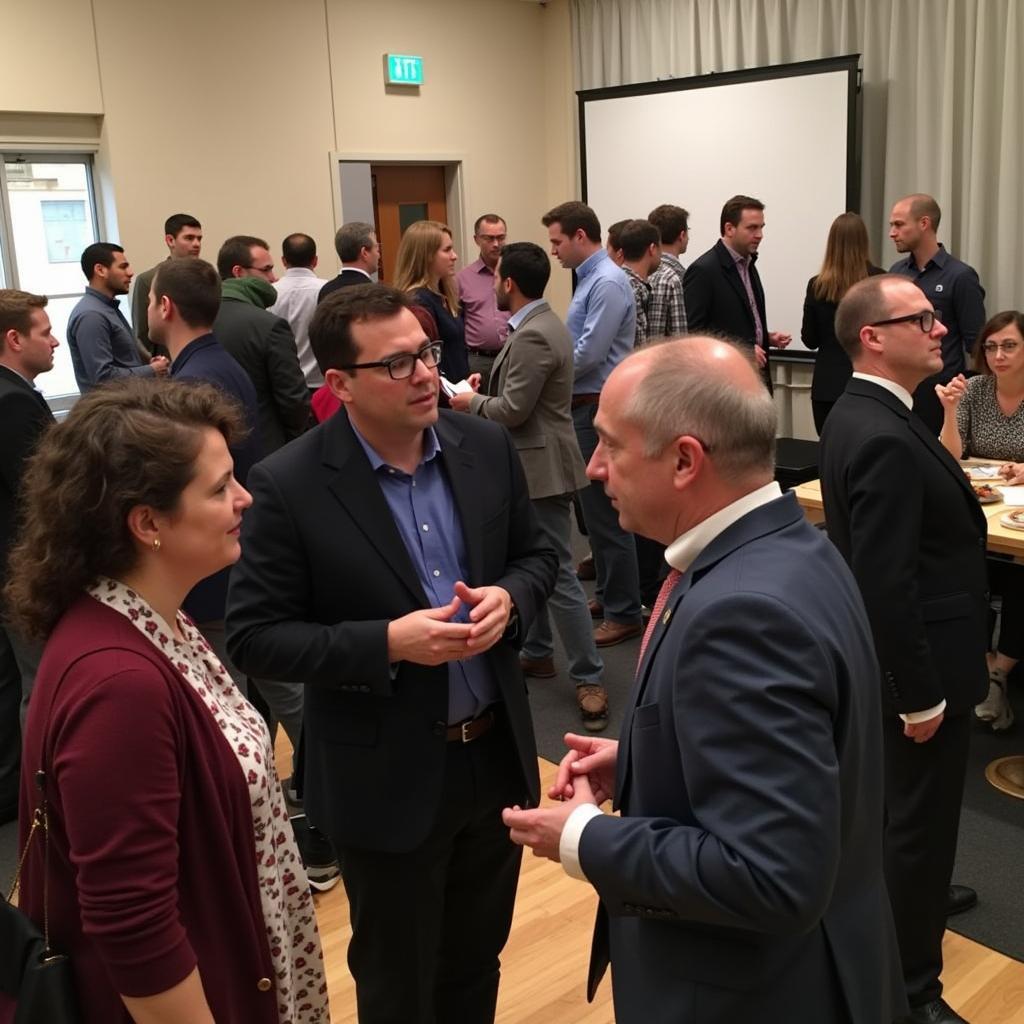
[
  {"x": 902, "y": 514},
  {"x": 746, "y": 863},
  {"x": 359, "y": 251}
]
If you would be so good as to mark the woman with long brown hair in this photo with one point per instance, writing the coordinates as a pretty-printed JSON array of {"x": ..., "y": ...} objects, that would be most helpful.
[
  {"x": 168, "y": 873},
  {"x": 846, "y": 262},
  {"x": 425, "y": 268}
]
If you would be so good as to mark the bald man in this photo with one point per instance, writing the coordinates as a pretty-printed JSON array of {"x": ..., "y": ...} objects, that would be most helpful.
[{"x": 743, "y": 879}]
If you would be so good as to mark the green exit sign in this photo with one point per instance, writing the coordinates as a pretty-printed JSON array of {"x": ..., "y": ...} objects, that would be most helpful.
[{"x": 403, "y": 69}]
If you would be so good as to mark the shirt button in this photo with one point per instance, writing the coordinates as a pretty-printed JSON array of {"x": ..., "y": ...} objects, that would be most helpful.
[
  {"x": 437, "y": 572},
  {"x": 263, "y": 984},
  {"x": 426, "y": 528}
]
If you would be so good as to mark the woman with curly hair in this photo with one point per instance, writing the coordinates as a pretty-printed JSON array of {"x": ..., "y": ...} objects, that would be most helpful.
[
  {"x": 425, "y": 268},
  {"x": 170, "y": 874}
]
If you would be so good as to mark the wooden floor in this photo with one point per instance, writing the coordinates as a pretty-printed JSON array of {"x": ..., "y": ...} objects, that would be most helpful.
[{"x": 545, "y": 962}]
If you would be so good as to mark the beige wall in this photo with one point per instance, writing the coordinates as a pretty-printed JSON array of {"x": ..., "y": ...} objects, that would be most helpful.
[{"x": 230, "y": 109}]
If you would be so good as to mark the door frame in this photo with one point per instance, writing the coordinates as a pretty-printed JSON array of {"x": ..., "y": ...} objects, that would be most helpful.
[{"x": 454, "y": 182}]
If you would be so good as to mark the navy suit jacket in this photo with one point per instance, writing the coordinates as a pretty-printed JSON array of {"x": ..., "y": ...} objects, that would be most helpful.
[
  {"x": 205, "y": 359},
  {"x": 743, "y": 880},
  {"x": 323, "y": 571}
]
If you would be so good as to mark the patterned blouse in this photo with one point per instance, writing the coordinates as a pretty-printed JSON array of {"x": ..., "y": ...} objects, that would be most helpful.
[
  {"x": 984, "y": 431},
  {"x": 284, "y": 891}
]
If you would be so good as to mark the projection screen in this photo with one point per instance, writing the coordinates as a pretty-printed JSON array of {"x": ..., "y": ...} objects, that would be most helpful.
[{"x": 786, "y": 135}]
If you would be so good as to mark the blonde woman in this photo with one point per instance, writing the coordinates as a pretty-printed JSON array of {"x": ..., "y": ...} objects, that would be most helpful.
[
  {"x": 846, "y": 262},
  {"x": 425, "y": 268}
]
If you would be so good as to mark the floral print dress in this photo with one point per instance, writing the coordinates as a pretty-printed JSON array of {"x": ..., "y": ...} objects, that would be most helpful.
[{"x": 284, "y": 890}]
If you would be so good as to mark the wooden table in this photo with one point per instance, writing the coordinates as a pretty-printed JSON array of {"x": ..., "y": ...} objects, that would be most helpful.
[
  {"x": 1007, "y": 773},
  {"x": 1001, "y": 539}
]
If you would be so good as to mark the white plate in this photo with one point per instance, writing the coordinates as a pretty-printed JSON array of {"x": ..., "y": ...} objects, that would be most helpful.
[{"x": 1010, "y": 523}]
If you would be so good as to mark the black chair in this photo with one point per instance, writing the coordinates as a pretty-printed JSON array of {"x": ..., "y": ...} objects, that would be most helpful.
[{"x": 796, "y": 461}]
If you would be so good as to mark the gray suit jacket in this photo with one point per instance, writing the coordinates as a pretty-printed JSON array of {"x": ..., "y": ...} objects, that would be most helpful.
[
  {"x": 530, "y": 392},
  {"x": 743, "y": 880}
]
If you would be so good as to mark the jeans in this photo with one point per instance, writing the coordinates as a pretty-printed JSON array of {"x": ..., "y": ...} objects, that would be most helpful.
[
  {"x": 614, "y": 550},
  {"x": 567, "y": 603}
]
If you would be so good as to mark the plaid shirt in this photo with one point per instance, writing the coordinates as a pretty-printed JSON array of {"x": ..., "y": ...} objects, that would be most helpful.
[
  {"x": 642, "y": 296},
  {"x": 666, "y": 314}
]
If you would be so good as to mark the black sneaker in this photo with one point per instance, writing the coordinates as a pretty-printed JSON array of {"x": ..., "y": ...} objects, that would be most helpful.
[{"x": 317, "y": 854}]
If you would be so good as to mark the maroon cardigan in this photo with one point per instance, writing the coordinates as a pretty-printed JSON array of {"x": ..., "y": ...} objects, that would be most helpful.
[{"x": 152, "y": 850}]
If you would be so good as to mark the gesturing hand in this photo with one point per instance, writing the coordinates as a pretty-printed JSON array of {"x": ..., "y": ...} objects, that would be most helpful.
[
  {"x": 589, "y": 759},
  {"x": 427, "y": 637},
  {"x": 491, "y": 608},
  {"x": 541, "y": 828}
]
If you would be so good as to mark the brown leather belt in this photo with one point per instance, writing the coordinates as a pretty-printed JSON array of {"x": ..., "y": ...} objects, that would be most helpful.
[
  {"x": 578, "y": 400},
  {"x": 471, "y": 729}
]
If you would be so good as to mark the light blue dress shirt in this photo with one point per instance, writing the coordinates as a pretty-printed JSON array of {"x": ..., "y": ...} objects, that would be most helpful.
[
  {"x": 424, "y": 511},
  {"x": 601, "y": 320}
]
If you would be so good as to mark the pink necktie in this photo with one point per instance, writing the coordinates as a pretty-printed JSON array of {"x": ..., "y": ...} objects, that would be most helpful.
[{"x": 659, "y": 606}]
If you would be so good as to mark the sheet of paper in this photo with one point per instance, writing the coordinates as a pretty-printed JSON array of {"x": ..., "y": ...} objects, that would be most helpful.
[{"x": 1012, "y": 495}]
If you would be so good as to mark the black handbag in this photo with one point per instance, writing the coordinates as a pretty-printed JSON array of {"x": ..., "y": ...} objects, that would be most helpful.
[{"x": 31, "y": 972}]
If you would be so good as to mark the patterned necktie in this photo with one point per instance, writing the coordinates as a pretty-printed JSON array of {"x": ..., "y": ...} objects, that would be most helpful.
[{"x": 659, "y": 606}]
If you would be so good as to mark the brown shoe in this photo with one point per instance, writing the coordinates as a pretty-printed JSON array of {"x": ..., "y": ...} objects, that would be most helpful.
[
  {"x": 592, "y": 701},
  {"x": 539, "y": 668},
  {"x": 608, "y": 634},
  {"x": 596, "y": 609},
  {"x": 585, "y": 569}
]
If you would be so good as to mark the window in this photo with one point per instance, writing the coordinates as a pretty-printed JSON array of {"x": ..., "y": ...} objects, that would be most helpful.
[
  {"x": 47, "y": 217},
  {"x": 65, "y": 227}
]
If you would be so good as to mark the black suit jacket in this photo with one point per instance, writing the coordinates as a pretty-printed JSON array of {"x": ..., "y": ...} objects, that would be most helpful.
[
  {"x": 832, "y": 366},
  {"x": 264, "y": 346},
  {"x": 901, "y": 512},
  {"x": 323, "y": 571},
  {"x": 24, "y": 415},
  {"x": 345, "y": 279},
  {"x": 717, "y": 301}
]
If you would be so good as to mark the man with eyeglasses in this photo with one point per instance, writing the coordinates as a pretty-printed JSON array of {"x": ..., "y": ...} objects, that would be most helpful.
[
  {"x": 262, "y": 343},
  {"x": 486, "y": 325},
  {"x": 391, "y": 562},
  {"x": 951, "y": 286},
  {"x": 901, "y": 512}
]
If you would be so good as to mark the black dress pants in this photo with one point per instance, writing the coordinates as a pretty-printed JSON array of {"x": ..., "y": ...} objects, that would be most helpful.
[
  {"x": 924, "y": 785},
  {"x": 428, "y": 925}
]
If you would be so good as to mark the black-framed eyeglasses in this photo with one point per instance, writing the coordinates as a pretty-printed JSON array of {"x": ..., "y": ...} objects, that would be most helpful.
[
  {"x": 404, "y": 364},
  {"x": 925, "y": 320},
  {"x": 1009, "y": 347}
]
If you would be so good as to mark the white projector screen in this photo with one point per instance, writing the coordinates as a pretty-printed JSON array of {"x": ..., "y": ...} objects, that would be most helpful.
[{"x": 785, "y": 135}]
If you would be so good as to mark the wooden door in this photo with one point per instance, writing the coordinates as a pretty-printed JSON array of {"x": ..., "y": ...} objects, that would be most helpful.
[{"x": 402, "y": 194}]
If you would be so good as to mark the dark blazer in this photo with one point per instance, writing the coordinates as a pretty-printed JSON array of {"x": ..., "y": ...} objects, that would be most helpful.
[
  {"x": 717, "y": 301},
  {"x": 152, "y": 868},
  {"x": 450, "y": 330},
  {"x": 345, "y": 279},
  {"x": 263, "y": 345},
  {"x": 323, "y": 571},
  {"x": 24, "y": 415},
  {"x": 530, "y": 392},
  {"x": 832, "y": 366},
  {"x": 205, "y": 359},
  {"x": 744, "y": 880},
  {"x": 901, "y": 512}
]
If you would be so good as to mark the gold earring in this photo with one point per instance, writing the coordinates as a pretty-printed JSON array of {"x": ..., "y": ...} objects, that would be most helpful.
[{"x": 156, "y": 543}]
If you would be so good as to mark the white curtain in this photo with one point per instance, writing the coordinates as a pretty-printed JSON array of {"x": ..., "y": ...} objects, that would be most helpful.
[{"x": 942, "y": 100}]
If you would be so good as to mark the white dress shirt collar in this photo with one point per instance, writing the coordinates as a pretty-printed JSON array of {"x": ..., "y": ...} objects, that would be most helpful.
[
  {"x": 684, "y": 550},
  {"x": 891, "y": 386}
]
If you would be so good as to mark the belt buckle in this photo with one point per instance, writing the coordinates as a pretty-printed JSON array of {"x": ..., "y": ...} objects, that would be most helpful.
[{"x": 464, "y": 727}]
